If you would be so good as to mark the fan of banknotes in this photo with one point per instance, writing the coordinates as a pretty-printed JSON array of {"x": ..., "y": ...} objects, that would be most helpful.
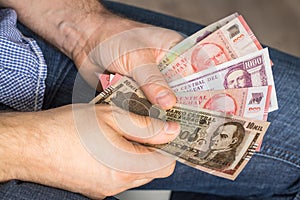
[{"x": 223, "y": 81}]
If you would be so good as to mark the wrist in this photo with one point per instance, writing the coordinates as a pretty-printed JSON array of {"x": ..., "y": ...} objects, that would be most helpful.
[
  {"x": 12, "y": 147},
  {"x": 75, "y": 33},
  {"x": 22, "y": 148},
  {"x": 7, "y": 171},
  {"x": 66, "y": 24},
  {"x": 98, "y": 28}
]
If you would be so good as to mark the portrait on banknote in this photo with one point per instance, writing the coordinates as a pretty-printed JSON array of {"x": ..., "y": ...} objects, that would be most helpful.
[
  {"x": 237, "y": 78},
  {"x": 222, "y": 103},
  {"x": 223, "y": 145},
  {"x": 207, "y": 55}
]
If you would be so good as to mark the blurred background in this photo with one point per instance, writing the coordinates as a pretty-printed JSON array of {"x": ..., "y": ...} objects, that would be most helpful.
[{"x": 275, "y": 23}]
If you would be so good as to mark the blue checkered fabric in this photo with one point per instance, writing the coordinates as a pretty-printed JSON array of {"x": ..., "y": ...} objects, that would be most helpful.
[{"x": 22, "y": 67}]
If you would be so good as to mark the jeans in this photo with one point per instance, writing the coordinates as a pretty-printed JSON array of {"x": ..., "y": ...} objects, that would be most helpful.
[{"x": 272, "y": 173}]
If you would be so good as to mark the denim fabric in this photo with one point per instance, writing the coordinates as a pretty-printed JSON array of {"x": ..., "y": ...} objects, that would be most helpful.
[
  {"x": 272, "y": 173},
  {"x": 14, "y": 190}
]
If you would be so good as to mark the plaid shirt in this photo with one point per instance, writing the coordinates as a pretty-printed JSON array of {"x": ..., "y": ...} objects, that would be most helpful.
[{"x": 22, "y": 67}]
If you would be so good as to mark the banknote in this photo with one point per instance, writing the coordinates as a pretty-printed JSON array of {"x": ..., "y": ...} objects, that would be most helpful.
[
  {"x": 252, "y": 102},
  {"x": 214, "y": 142},
  {"x": 126, "y": 94},
  {"x": 251, "y": 70},
  {"x": 233, "y": 40},
  {"x": 107, "y": 79},
  {"x": 104, "y": 80},
  {"x": 190, "y": 41}
]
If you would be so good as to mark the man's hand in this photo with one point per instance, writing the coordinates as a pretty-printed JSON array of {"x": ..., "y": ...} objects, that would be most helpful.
[
  {"x": 45, "y": 148},
  {"x": 134, "y": 52},
  {"x": 98, "y": 40}
]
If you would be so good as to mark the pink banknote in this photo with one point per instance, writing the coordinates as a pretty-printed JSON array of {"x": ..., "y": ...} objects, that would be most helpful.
[
  {"x": 250, "y": 102},
  {"x": 233, "y": 40},
  {"x": 192, "y": 40},
  {"x": 104, "y": 80},
  {"x": 107, "y": 80},
  {"x": 248, "y": 71}
]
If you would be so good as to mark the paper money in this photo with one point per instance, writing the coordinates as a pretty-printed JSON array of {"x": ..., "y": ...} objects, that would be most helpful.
[
  {"x": 250, "y": 102},
  {"x": 104, "y": 80},
  {"x": 107, "y": 80},
  {"x": 190, "y": 41},
  {"x": 212, "y": 142},
  {"x": 233, "y": 40},
  {"x": 248, "y": 71},
  {"x": 199, "y": 143}
]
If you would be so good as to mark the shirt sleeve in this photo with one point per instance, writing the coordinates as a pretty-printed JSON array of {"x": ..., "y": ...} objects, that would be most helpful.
[{"x": 23, "y": 69}]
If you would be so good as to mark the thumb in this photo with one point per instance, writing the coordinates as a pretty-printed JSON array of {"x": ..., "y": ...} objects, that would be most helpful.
[
  {"x": 153, "y": 84},
  {"x": 143, "y": 129}
]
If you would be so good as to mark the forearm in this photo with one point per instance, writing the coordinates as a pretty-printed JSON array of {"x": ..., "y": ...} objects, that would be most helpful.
[
  {"x": 25, "y": 148},
  {"x": 11, "y": 145},
  {"x": 6, "y": 164},
  {"x": 67, "y": 24},
  {"x": 43, "y": 147}
]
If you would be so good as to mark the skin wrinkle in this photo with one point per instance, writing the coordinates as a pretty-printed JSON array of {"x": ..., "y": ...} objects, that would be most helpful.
[
  {"x": 73, "y": 41},
  {"x": 70, "y": 33}
]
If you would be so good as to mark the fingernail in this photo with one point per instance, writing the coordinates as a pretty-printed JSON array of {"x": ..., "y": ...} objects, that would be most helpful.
[
  {"x": 165, "y": 99},
  {"x": 172, "y": 128}
]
